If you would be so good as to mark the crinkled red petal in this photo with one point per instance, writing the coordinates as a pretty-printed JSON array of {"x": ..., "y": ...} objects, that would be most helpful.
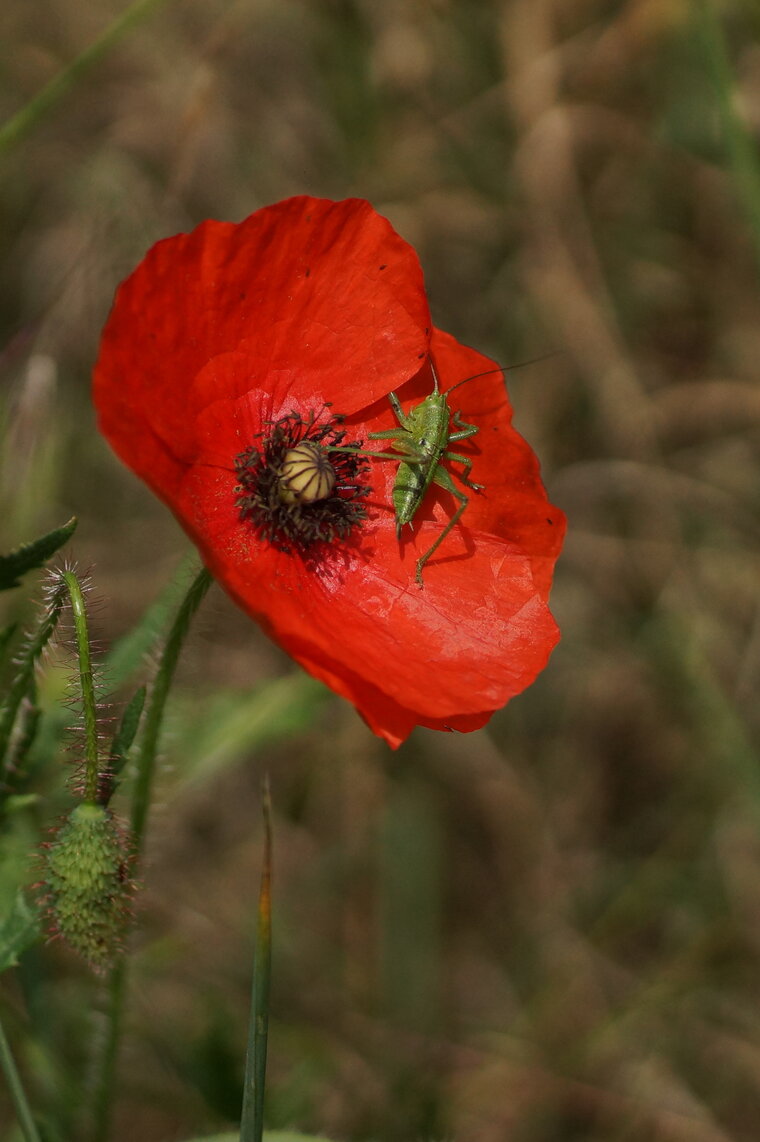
[
  {"x": 477, "y": 633},
  {"x": 316, "y": 295},
  {"x": 221, "y": 331},
  {"x": 513, "y": 503}
]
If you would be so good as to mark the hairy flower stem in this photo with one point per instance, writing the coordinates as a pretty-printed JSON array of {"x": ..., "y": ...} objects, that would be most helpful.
[
  {"x": 252, "y": 1123},
  {"x": 16, "y": 1090},
  {"x": 89, "y": 704},
  {"x": 105, "y": 1064}
]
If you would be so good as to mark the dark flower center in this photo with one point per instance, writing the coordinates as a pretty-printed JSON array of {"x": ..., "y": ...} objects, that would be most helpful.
[{"x": 295, "y": 490}]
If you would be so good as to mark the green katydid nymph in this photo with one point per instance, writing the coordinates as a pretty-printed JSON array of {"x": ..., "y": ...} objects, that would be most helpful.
[
  {"x": 421, "y": 442},
  {"x": 422, "y": 437}
]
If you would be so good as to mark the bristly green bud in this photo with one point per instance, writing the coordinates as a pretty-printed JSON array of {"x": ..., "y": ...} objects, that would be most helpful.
[{"x": 88, "y": 885}]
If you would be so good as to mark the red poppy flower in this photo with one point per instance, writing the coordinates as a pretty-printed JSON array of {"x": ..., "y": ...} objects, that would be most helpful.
[{"x": 237, "y": 357}]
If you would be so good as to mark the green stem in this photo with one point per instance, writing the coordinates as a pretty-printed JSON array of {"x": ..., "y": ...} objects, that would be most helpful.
[
  {"x": 154, "y": 710},
  {"x": 24, "y": 677},
  {"x": 740, "y": 146},
  {"x": 24, "y": 120},
  {"x": 17, "y": 1093},
  {"x": 89, "y": 705},
  {"x": 107, "y": 1055},
  {"x": 146, "y": 764},
  {"x": 252, "y": 1121}
]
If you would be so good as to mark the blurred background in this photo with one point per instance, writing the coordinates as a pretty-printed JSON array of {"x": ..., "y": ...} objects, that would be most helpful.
[{"x": 547, "y": 931}]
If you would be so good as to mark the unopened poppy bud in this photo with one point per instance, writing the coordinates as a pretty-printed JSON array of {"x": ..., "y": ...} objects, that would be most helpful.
[
  {"x": 306, "y": 474},
  {"x": 88, "y": 884}
]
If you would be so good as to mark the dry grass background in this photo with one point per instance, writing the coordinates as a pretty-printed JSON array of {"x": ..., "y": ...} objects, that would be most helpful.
[{"x": 550, "y": 930}]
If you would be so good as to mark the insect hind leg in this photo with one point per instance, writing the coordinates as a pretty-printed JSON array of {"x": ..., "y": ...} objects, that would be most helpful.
[{"x": 443, "y": 480}]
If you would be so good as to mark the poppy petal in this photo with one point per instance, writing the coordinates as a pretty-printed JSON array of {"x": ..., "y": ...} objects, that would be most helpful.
[
  {"x": 220, "y": 334},
  {"x": 512, "y": 503},
  {"x": 362, "y": 616},
  {"x": 267, "y": 287}
]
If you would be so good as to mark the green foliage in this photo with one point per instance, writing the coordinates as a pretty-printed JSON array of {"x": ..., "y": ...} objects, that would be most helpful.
[
  {"x": 129, "y": 653},
  {"x": 22, "y": 684},
  {"x": 740, "y": 145},
  {"x": 17, "y": 771},
  {"x": 19, "y": 928},
  {"x": 50, "y": 97},
  {"x": 121, "y": 744},
  {"x": 127, "y": 730},
  {"x": 216, "y": 731},
  {"x": 33, "y": 555},
  {"x": 574, "y": 893},
  {"x": 269, "y": 1136}
]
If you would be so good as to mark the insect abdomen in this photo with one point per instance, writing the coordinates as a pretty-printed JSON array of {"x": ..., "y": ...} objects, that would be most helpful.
[
  {"x": 428, "y": 425},
  {"x": 408, "y": 490}
]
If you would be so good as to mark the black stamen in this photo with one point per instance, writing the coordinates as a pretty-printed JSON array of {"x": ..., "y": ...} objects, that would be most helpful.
[{"x": 299, "y": 527}]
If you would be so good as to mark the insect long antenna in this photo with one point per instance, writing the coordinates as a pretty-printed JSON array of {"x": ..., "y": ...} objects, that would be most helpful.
[
  {"x": 504, "y": 368},
  {"x": 437, "y": 387},
  {"x": 485, "y": 373}
]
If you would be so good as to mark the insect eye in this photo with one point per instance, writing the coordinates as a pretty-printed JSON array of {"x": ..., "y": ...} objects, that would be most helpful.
[{"x": 306, "y": 475}]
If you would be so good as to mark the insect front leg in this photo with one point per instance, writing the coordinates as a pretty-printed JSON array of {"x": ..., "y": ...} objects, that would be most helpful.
[
  {"x": 403, "y": 442},
  {"x": 402, "y": 437},
  {"x": 443, "y": 480},
  {"x": 466, "y": 429},
  {"x": 401, "y": 417}
]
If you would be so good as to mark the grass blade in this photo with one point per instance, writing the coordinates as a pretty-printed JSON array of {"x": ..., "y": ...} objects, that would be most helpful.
[
  {"x": 27, "y": 118},
  {"x": 16, "y": 1089},
  {"x": 252, "y": 1122}
]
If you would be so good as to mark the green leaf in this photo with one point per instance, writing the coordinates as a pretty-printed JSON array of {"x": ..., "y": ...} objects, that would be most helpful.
[
  {"x": 23, "y": 682},
  {"x": 19, "y": 929},
  {"x": 121, "y": 744},
  {"x": 229, "y": 726},
  {"x": 33, "y": 555},
  {"x": 125, "y": 734},
  {"x": 15, "y": 770},
  {"x": 130, "y": 652},
  {"x": 290, "y": 1136},
  {"x": 18, "y": 802}
]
